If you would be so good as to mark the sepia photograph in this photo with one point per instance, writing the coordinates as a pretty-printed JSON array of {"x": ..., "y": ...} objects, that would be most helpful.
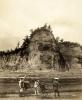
[{"x": 41, "y": 49}]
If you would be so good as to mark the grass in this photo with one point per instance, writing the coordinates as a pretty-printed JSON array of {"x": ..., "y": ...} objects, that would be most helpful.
[{"x": 42, "y": 73}]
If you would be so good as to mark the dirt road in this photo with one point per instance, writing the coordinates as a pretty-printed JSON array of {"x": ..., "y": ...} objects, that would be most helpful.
[{"x": 64, "y": 96}]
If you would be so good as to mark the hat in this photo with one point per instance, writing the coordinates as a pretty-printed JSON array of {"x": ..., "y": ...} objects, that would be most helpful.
[
  {"x": 37, "y": 80},
  {"x": 56, "y": 78}
]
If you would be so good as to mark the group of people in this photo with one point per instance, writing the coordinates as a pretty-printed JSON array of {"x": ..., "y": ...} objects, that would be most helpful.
[{"x": 38, "y": 86}]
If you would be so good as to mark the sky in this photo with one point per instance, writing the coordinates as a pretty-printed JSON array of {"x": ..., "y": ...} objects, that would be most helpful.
[{"x": 17, "y": 17}]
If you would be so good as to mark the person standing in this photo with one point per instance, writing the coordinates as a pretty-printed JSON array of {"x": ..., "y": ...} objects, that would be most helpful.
[
  {"x": 21, "y": 85},
  {"x": 56, "y": 87},
  {"x": 36, "y": 87}
]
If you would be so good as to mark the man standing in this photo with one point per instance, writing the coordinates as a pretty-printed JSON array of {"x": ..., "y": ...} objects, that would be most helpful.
[
  {"x": 21, "y": 85},
  {"x": 36, "y": 87},
  {"x": 56, "y": 86}
]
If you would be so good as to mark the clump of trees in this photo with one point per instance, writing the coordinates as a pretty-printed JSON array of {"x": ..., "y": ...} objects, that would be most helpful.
[
  {"x": 39, "y": 29},
  {"x": 25, "y": 47}
]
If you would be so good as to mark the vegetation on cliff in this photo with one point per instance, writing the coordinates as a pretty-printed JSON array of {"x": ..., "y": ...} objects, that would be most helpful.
[{"x": 42, "y": 39}]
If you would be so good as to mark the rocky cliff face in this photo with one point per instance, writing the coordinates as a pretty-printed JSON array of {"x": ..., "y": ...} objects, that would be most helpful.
[
  {"x": 39, "y": 52},
  {"x": 41, "y": 49},
  {"x": 72, "y": 53},
  {"x": 12, "y": 61}
]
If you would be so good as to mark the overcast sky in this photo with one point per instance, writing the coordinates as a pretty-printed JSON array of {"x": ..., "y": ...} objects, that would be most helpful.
[{"x": 17, "y": 17}]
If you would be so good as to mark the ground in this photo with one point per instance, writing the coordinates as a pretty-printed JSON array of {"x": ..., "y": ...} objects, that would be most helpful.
[
  {"x": 42, "y": 73},
  {"x": 64, "y": 96},
  {"x": 45, "y": 73}
]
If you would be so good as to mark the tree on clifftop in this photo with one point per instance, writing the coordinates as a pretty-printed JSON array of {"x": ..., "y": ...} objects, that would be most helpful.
[{"x": 25, "y": 47}]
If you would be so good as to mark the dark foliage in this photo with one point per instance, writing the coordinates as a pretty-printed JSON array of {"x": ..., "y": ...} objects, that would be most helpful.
[
  {"x": 44, "y": 47},
  {"x": 25, "y": 47},
  {"x": 69, "y": 44},
  {"x": 44, "y": 28}
]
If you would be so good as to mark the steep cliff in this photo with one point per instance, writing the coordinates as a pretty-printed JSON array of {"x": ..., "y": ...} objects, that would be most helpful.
[{"x": 42, "y": 51}]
